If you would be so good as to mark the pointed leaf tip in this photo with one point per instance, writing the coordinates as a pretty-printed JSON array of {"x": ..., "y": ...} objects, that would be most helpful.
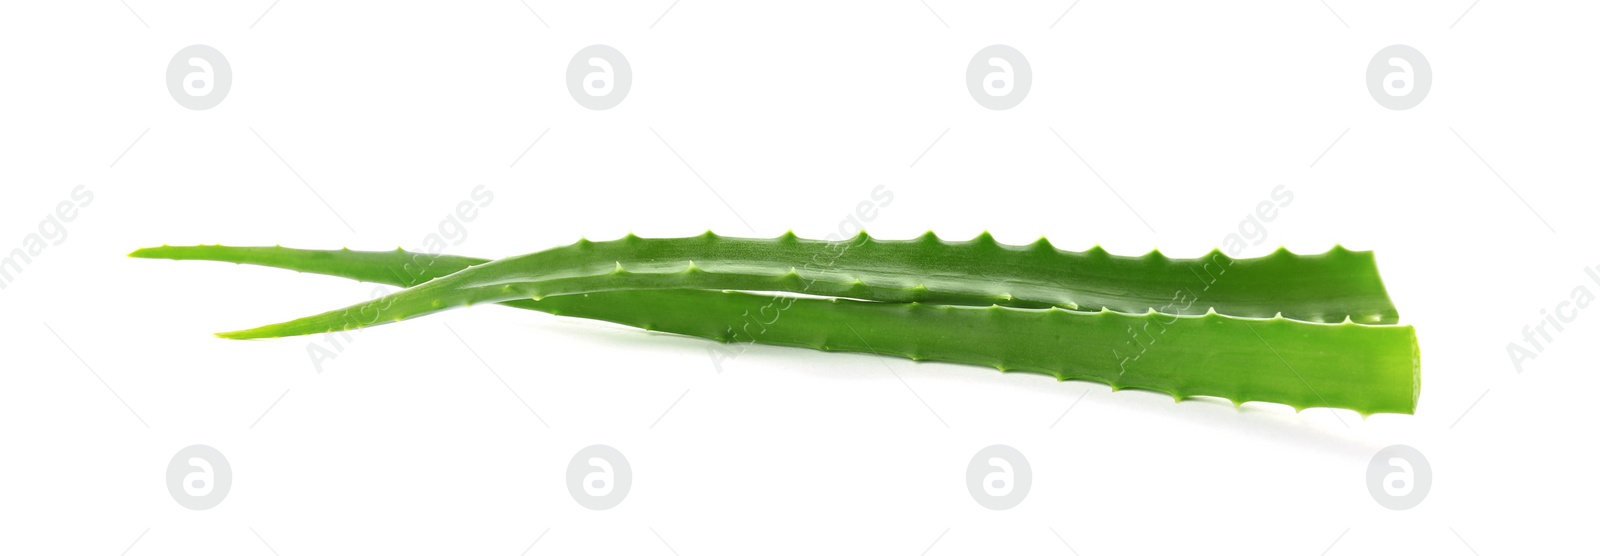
[{"x": 247, "y": 334}]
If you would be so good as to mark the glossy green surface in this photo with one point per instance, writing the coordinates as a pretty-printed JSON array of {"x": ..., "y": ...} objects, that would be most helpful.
[
  {"x": 1329, "y": 287},
  {"x": 1370, "y": 369}
]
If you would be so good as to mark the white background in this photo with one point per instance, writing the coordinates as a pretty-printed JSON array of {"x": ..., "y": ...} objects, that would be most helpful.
[{"x": 408, "y": 443}]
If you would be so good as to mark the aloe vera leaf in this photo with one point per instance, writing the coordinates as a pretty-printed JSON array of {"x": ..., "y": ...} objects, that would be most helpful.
[
  {"x": 1369, "y": 369},
  {"x": 1366, "y": 368},
  {"x": 1329, "y": 287}
]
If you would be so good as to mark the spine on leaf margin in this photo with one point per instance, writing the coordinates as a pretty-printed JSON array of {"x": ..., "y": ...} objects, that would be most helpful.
[
  {"x": 1331, "y": 287},
  {"x": 1370, "y": 369}
]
